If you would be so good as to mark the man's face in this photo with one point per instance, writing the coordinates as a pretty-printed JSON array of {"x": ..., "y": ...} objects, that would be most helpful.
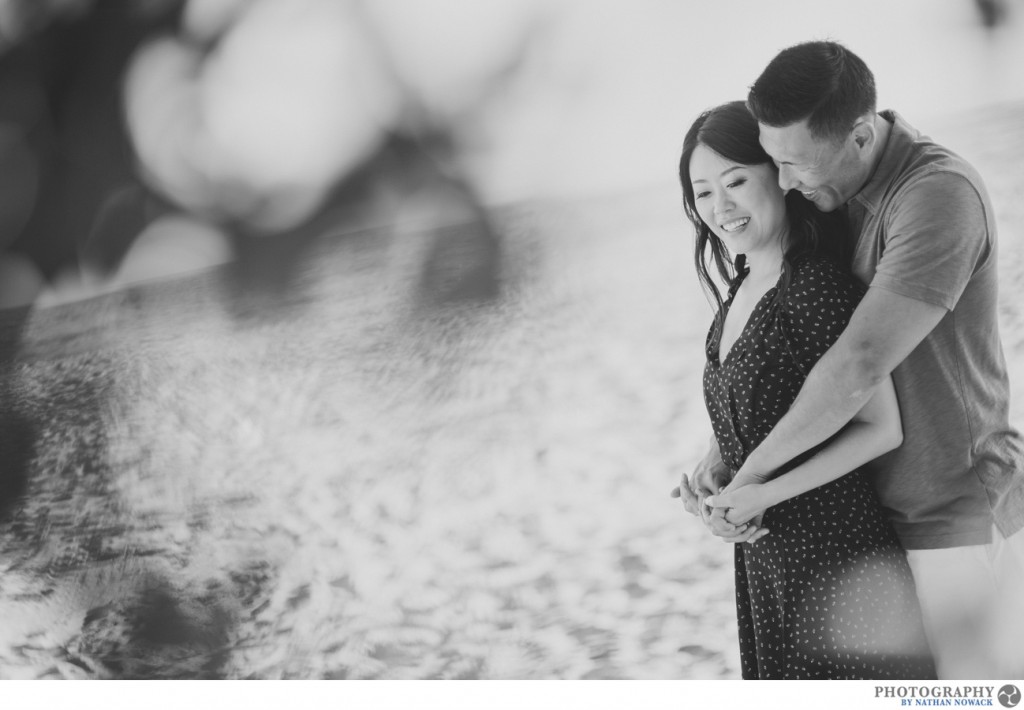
[{"x": 828, "y": 173}]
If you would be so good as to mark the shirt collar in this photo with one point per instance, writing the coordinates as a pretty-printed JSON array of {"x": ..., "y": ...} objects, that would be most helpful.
[{"x": 901, "y": 137}]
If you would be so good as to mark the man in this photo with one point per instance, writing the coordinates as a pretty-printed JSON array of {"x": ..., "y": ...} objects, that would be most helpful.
[{"x": 926, "y": 247}]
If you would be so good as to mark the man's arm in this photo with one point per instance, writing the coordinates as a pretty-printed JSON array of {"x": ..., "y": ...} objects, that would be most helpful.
[
  {"x": 873, "y": 431},
  {"x": 884, "y": 329}
]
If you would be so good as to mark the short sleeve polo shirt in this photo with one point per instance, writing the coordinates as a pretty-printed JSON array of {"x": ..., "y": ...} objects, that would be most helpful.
[{"x": 927, "y": 232}]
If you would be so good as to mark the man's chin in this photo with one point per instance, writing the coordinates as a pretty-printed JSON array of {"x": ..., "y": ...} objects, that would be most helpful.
[{"x": 824, "y": 203}]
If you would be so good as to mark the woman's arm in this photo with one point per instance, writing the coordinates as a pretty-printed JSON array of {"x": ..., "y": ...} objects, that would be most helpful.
[
  {"x": 873, "y": 431},
  {"x": 883, "y": 331}
]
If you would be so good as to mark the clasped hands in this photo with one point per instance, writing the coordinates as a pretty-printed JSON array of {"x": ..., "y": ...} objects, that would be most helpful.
[{"x": 734, "y": 514}]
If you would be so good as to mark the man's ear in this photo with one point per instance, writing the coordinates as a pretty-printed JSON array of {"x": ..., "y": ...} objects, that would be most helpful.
[{"x": 864, "y": 133}]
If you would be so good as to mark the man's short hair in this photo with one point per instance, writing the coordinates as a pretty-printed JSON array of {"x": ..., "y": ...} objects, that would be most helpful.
[{"x": 820, "y": 81}]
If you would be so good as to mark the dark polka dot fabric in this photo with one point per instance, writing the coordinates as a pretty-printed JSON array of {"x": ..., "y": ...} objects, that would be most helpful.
[{"x": 828, "y": 593}]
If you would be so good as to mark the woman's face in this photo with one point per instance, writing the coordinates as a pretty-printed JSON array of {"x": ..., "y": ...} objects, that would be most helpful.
[{"x": 742, "y": 204}]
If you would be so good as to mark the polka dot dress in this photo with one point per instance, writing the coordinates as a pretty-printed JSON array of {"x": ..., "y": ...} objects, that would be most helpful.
[{"x": 828, "y": 592}]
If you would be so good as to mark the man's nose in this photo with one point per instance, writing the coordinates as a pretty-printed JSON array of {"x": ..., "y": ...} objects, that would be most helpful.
[{"x": 787, "y": 181}]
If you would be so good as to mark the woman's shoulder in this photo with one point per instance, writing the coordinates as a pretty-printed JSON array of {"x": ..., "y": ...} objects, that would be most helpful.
[
  {"x": 811, "y": 264},
  {"x": 820, "y": 267},
  {"x": 816, "y": 277}
]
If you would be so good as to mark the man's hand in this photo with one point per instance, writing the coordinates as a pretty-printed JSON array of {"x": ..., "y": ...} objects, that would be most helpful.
[
  {"x": 693, "y": 496},
  {"x": 708, "y": 476},
  {"x": 695, "y": 502},
  {"x": 745, "y": 532},
  {"x": 740, "y": 505}
]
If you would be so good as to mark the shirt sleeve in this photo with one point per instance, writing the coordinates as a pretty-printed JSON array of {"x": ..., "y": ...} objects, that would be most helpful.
[
  {"x": 936, "y": 238},
  {"x": 818, "y": 305}
]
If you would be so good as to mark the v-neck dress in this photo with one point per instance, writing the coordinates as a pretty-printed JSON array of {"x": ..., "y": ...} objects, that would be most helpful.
[{"x": 828, "y": 592}]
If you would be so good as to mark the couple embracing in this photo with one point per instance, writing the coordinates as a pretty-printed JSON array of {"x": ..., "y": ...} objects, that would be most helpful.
[{"x": 862, "y": 461}]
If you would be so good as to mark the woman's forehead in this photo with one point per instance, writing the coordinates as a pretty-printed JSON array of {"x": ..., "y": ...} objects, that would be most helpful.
[{"x": 706, "y": 164}]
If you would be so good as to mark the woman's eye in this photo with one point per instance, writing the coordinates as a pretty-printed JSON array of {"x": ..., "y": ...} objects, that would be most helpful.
[
  {"x": 700, "y": 195},
  {"x": 737, "y": 183}
]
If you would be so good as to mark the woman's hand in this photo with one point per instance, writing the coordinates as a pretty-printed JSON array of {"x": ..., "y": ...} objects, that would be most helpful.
[
  {"x": 741, "y": 504},
  {"x": 708, "y": 476}
]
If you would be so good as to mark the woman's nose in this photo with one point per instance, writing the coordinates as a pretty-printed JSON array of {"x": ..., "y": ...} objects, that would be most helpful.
[{"x": 723, "y": 204}]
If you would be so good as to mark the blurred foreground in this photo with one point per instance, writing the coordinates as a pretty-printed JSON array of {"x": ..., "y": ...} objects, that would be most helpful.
[
  {"x": 385, "y": 430},
  {"x": 365, "y": 484}
]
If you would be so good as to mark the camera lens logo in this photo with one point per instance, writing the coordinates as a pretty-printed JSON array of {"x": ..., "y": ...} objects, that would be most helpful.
[{"x": 1009, "y": 696}]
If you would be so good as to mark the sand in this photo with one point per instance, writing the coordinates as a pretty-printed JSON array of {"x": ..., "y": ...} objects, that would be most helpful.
[{"x": 367, "y": 482}]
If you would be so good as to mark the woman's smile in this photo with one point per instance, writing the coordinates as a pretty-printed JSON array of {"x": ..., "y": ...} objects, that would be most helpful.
[
  {"x": 742, "y": 204},
  {"x": 736, "y": 224}
]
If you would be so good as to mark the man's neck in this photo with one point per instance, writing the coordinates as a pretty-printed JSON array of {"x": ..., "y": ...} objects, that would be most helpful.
[{"x": 882, "y": 131}]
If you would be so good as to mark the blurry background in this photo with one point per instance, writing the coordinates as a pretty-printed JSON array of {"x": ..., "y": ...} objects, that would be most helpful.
[{"x": 360, "y": 340}]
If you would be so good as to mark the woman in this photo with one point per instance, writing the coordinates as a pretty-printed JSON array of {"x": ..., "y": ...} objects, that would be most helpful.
[{"x": 827, "y": 593}]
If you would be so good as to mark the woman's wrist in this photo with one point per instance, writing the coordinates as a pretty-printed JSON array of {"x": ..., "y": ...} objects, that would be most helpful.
[
  {"x": 746, "y": 476},
  {"x": 772, "y": 493},
  {"x": 752, "y": 471}
]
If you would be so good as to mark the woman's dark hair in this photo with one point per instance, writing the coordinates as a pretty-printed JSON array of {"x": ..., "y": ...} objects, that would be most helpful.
[
  {"x": 822, "y": 82},
  {"x": 731, "y": 132}
]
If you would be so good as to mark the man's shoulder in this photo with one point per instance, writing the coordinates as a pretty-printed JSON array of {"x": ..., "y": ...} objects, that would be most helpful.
[
  {"x": 935, "y": 164},
  {"x": 926, "y": 164}
]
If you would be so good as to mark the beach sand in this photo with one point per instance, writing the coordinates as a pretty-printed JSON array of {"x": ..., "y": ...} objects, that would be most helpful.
[{"x": 365, "y": 483}]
